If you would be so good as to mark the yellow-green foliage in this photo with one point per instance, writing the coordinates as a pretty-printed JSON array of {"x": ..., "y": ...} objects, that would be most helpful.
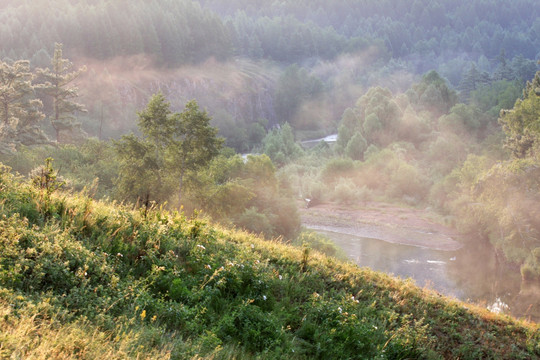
[
  {"x": 87, "y": 279},
  {"x": 502, "y": 202}
]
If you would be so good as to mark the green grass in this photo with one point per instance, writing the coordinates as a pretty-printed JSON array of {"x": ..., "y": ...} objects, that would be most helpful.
[{"x": 85, "y": 279}]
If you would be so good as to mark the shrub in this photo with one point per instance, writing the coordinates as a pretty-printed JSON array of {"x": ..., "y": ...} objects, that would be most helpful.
[
  {"x": 254, "y": 221},
  {"x": 405, "y": 180},
  {"x": 251, "y": 327},
  {"x": 318, "y": 242},
  {"x": 345, "y": 192},
  {"x": 336, "y": 168}
]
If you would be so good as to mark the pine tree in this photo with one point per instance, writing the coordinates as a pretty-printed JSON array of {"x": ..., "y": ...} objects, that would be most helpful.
[
  {"x": 19, "y": 109},
  {"x": 57, "y": 85},
  {"x": 503, "y": 71}
]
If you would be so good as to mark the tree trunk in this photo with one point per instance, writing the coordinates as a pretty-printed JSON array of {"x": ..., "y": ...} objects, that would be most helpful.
[
  {"x": 6, "y": 114},
  {"x": 182, "y": 171}
]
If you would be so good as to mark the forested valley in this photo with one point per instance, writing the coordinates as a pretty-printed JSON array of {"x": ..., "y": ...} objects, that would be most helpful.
[{"x": 157, "y": 159}]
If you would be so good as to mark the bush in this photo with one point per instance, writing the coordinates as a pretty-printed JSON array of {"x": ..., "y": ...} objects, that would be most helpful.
[
  {"x": 405, "y": 180},
  {"x": 336, "y": 168},
  {"x": 254, "y": 221},
  {"x": 345, "y": 192},
  {"x": 251, "y": 327},
  {"x": 318, "y": 242}
]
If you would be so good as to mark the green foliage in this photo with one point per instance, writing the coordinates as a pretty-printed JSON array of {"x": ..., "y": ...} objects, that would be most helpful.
[
  {"x": 56, "y": 85},
  {"x": 46, "y": 178},
  {"x": 446, "y": 152},
  {"x": 251, "y": 326},
  {"x": 294, "y": 87},
  {"x": 497, "y": 96},
  {"x": 92, "y": 165},
  {"x": 506, "y": 194},
  {"x": 348, "y": 126},
  {"x": 20, "y": 111},
  {"x": 499, "y": 201},
  {"x": 406, "y": 180},
  {"x": 141, "y": 175},
  {"x": 336, "y": 168},
  {"x": 280, "y": 146},
  {"x": 434, "y": 95},
  {"x": 108, "y": 30},
  {"x": 521, "y": 124},
  {"x": 356, "y": 147},
  {"x": 173, "y": 145},
  {"x": 464, "y": 119},
  {"x": 345, "y": 192},
  {"x": 316, "y": 241},
  {"x": 246, "y": 193},
  {"x": 165, "y": 286}
]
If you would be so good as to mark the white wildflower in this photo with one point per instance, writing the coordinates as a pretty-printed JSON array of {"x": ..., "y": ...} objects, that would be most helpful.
[
  {"x": 280, "y": 277},
  {"x": 264, "y": 297},
  {"x": 208, "y": 267}
]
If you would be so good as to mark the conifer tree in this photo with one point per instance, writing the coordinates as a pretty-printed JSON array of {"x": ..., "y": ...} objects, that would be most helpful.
[
  {"x": 57, "y": 84},
  {"x": 19, "y": 109}
]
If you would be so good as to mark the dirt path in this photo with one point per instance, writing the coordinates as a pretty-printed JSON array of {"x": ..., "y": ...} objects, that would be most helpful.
[{"x": 382, "y": 221}]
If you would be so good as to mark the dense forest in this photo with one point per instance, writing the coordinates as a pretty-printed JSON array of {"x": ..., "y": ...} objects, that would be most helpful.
[
  {"x": 288, "y": 31},
  {"x": 178, "y": 111}
]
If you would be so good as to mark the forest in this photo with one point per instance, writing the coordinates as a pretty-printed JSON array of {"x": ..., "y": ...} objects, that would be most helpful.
[{"x": 187, "y": 114}]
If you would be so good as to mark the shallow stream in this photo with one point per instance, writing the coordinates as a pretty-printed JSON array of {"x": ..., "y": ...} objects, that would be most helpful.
[{"x": 471, "y": 273}]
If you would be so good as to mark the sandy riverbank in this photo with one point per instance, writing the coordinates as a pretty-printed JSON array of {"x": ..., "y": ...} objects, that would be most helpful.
[{"x": 383, "y": 221}]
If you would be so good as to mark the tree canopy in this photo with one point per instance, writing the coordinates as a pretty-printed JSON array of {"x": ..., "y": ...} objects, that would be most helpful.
[{"x": 153, "y": 167}]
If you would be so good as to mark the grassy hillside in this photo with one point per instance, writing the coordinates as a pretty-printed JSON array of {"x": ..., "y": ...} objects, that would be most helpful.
[{"x": 86, "y": 279}]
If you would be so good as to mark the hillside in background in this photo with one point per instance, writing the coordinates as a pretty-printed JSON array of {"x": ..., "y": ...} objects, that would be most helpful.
[{"x": 346, "y": 46}]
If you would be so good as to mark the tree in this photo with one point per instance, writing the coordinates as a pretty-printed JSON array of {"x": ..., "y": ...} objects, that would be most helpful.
[
  {"x": 522, "y": 124},
  {"x": 280, "y": 146},
  {"x": 141, "y": 175},
  {"x": 294, "y": 87},
  {"x": 434, "y": 94},
  {"x": 56, "y": 85},
  {"x": 471, "y": 81},
  {"x": 172, "y": 145},
  {"x": 356, "y": 147},
  {"x": 194, "y": 142},
  {"x": 348, "y": 126},
  {"x": 19, "y": 109},
  {"x": 503, "y": 71}
]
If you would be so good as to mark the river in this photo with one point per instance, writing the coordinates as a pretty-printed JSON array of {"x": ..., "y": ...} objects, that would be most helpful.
[{"x": 471, "y": 274}]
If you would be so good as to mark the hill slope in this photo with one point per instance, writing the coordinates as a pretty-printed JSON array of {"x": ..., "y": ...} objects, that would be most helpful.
[{"x": 87, "y": 279}]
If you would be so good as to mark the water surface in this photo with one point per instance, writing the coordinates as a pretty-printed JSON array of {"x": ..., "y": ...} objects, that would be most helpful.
[{"x": 472, "y": 273}]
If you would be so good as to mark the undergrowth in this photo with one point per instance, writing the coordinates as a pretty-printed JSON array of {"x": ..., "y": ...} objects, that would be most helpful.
[{"x": 88, "y": 279}]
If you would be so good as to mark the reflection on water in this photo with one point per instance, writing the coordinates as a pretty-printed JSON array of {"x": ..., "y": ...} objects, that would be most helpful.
[{"x": 471, "y": 273}]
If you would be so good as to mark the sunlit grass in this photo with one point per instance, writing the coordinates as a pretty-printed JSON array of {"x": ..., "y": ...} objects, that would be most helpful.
[{"x": 82, "y": 278}]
